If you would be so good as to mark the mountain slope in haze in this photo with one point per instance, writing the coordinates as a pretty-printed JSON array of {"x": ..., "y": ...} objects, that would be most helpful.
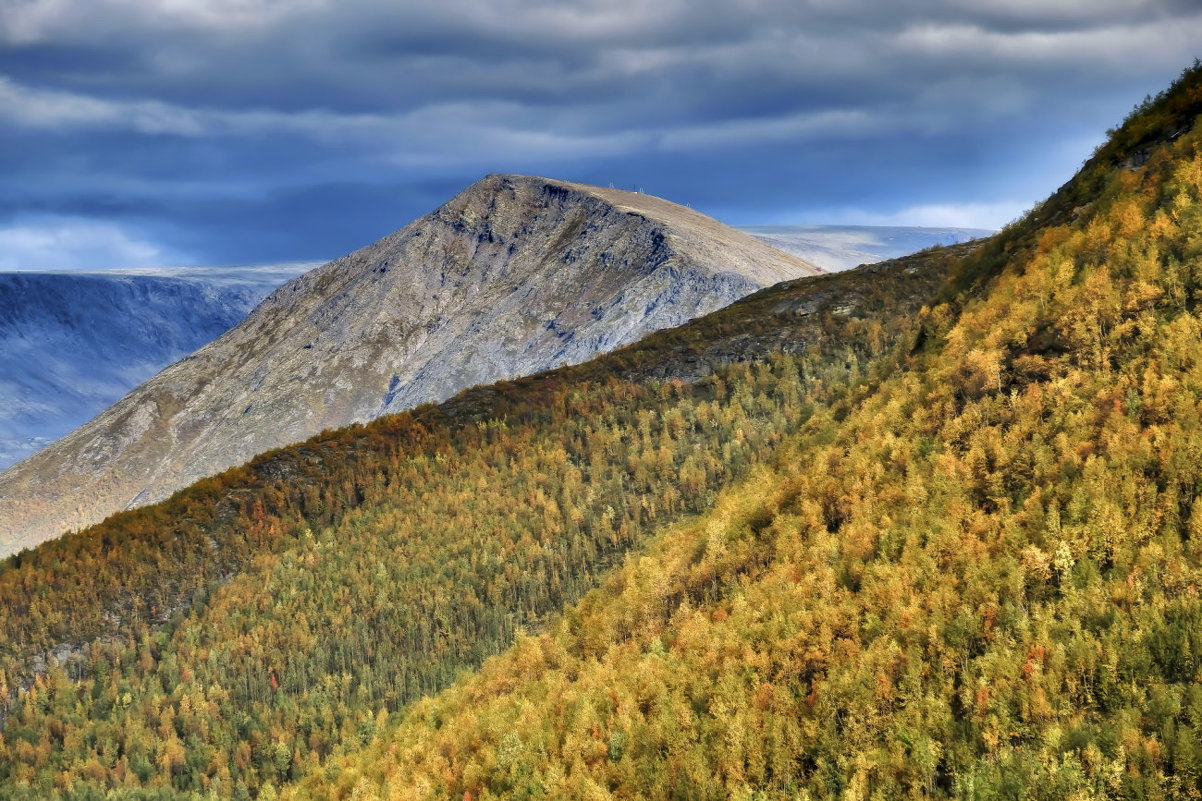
[
  {"x": 841, "y": 247},
  {"x": 512, "y": 276},
  {"x": 975, "y": 579},
  {"x": 72, "y": 343}
]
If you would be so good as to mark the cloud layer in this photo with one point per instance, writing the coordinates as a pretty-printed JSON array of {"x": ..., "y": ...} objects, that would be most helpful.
[
  {"x": 244, "y": 130},
  {"x": 66, "y": 244}
]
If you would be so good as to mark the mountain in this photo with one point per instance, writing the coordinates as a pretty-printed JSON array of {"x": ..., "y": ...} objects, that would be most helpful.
[
  {"x": 512, "y": 276},
  {"x": 72, "y": 343},
  {"x": 840, "y": 247}
]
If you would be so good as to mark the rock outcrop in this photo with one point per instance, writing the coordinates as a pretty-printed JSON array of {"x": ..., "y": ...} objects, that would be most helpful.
[{"x": 512, "y": 276}]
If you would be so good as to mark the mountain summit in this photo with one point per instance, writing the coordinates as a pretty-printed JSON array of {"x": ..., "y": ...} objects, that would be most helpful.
[{"x": 512, "y": 276}]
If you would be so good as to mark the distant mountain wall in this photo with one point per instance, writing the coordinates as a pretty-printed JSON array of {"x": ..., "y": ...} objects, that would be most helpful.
[{"x": 72, "y": 343}]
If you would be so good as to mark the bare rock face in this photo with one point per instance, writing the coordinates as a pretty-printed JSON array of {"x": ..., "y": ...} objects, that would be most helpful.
[{"x": 512, "y": 276}]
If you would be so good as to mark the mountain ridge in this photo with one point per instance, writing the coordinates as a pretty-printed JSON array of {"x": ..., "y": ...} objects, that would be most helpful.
[{"x": 82, "y": 362}]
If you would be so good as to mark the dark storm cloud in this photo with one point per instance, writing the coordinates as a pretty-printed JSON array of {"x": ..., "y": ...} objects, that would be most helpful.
[{"x": 237, "y": 130}]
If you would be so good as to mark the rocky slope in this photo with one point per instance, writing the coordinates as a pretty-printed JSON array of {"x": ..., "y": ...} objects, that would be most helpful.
[
  {"x": 512, "y": 276},
  {"x": 72, "y": 343}
]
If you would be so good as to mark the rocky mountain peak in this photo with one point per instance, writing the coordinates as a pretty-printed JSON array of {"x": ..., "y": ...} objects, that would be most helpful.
[{"x": 512, "y": 276}]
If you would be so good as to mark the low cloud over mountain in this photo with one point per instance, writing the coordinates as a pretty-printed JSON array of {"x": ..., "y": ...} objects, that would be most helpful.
[{"x": 257, "y": 130}]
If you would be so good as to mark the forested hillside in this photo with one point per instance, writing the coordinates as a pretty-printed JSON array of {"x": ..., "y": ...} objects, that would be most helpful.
[
  {"x": 228, "y": 640},
  {"x": 978, "y": 580}
]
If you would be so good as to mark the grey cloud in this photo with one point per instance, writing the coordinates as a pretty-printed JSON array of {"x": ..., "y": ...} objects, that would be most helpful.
[{"x": 249, "y": 102}]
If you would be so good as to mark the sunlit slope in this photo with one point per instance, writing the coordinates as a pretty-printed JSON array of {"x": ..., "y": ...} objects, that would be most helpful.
[
  {"x": 235, "y": 635},
  {"x": 979, "y": 580}
]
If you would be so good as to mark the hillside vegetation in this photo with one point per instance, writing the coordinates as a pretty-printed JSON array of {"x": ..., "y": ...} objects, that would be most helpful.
[{"x": 978, "y": 581}]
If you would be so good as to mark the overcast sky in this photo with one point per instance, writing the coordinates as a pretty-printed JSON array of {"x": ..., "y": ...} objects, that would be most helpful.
[{"x": 148, "y": 132}]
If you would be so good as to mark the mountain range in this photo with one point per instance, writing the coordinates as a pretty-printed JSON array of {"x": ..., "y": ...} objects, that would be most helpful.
[
  {"x": 926, "y": 529},
  {"x": 74, "y": 342}
]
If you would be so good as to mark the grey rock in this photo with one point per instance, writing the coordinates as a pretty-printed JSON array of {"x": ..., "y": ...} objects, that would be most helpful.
[{"x": 512, "y": 276}]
